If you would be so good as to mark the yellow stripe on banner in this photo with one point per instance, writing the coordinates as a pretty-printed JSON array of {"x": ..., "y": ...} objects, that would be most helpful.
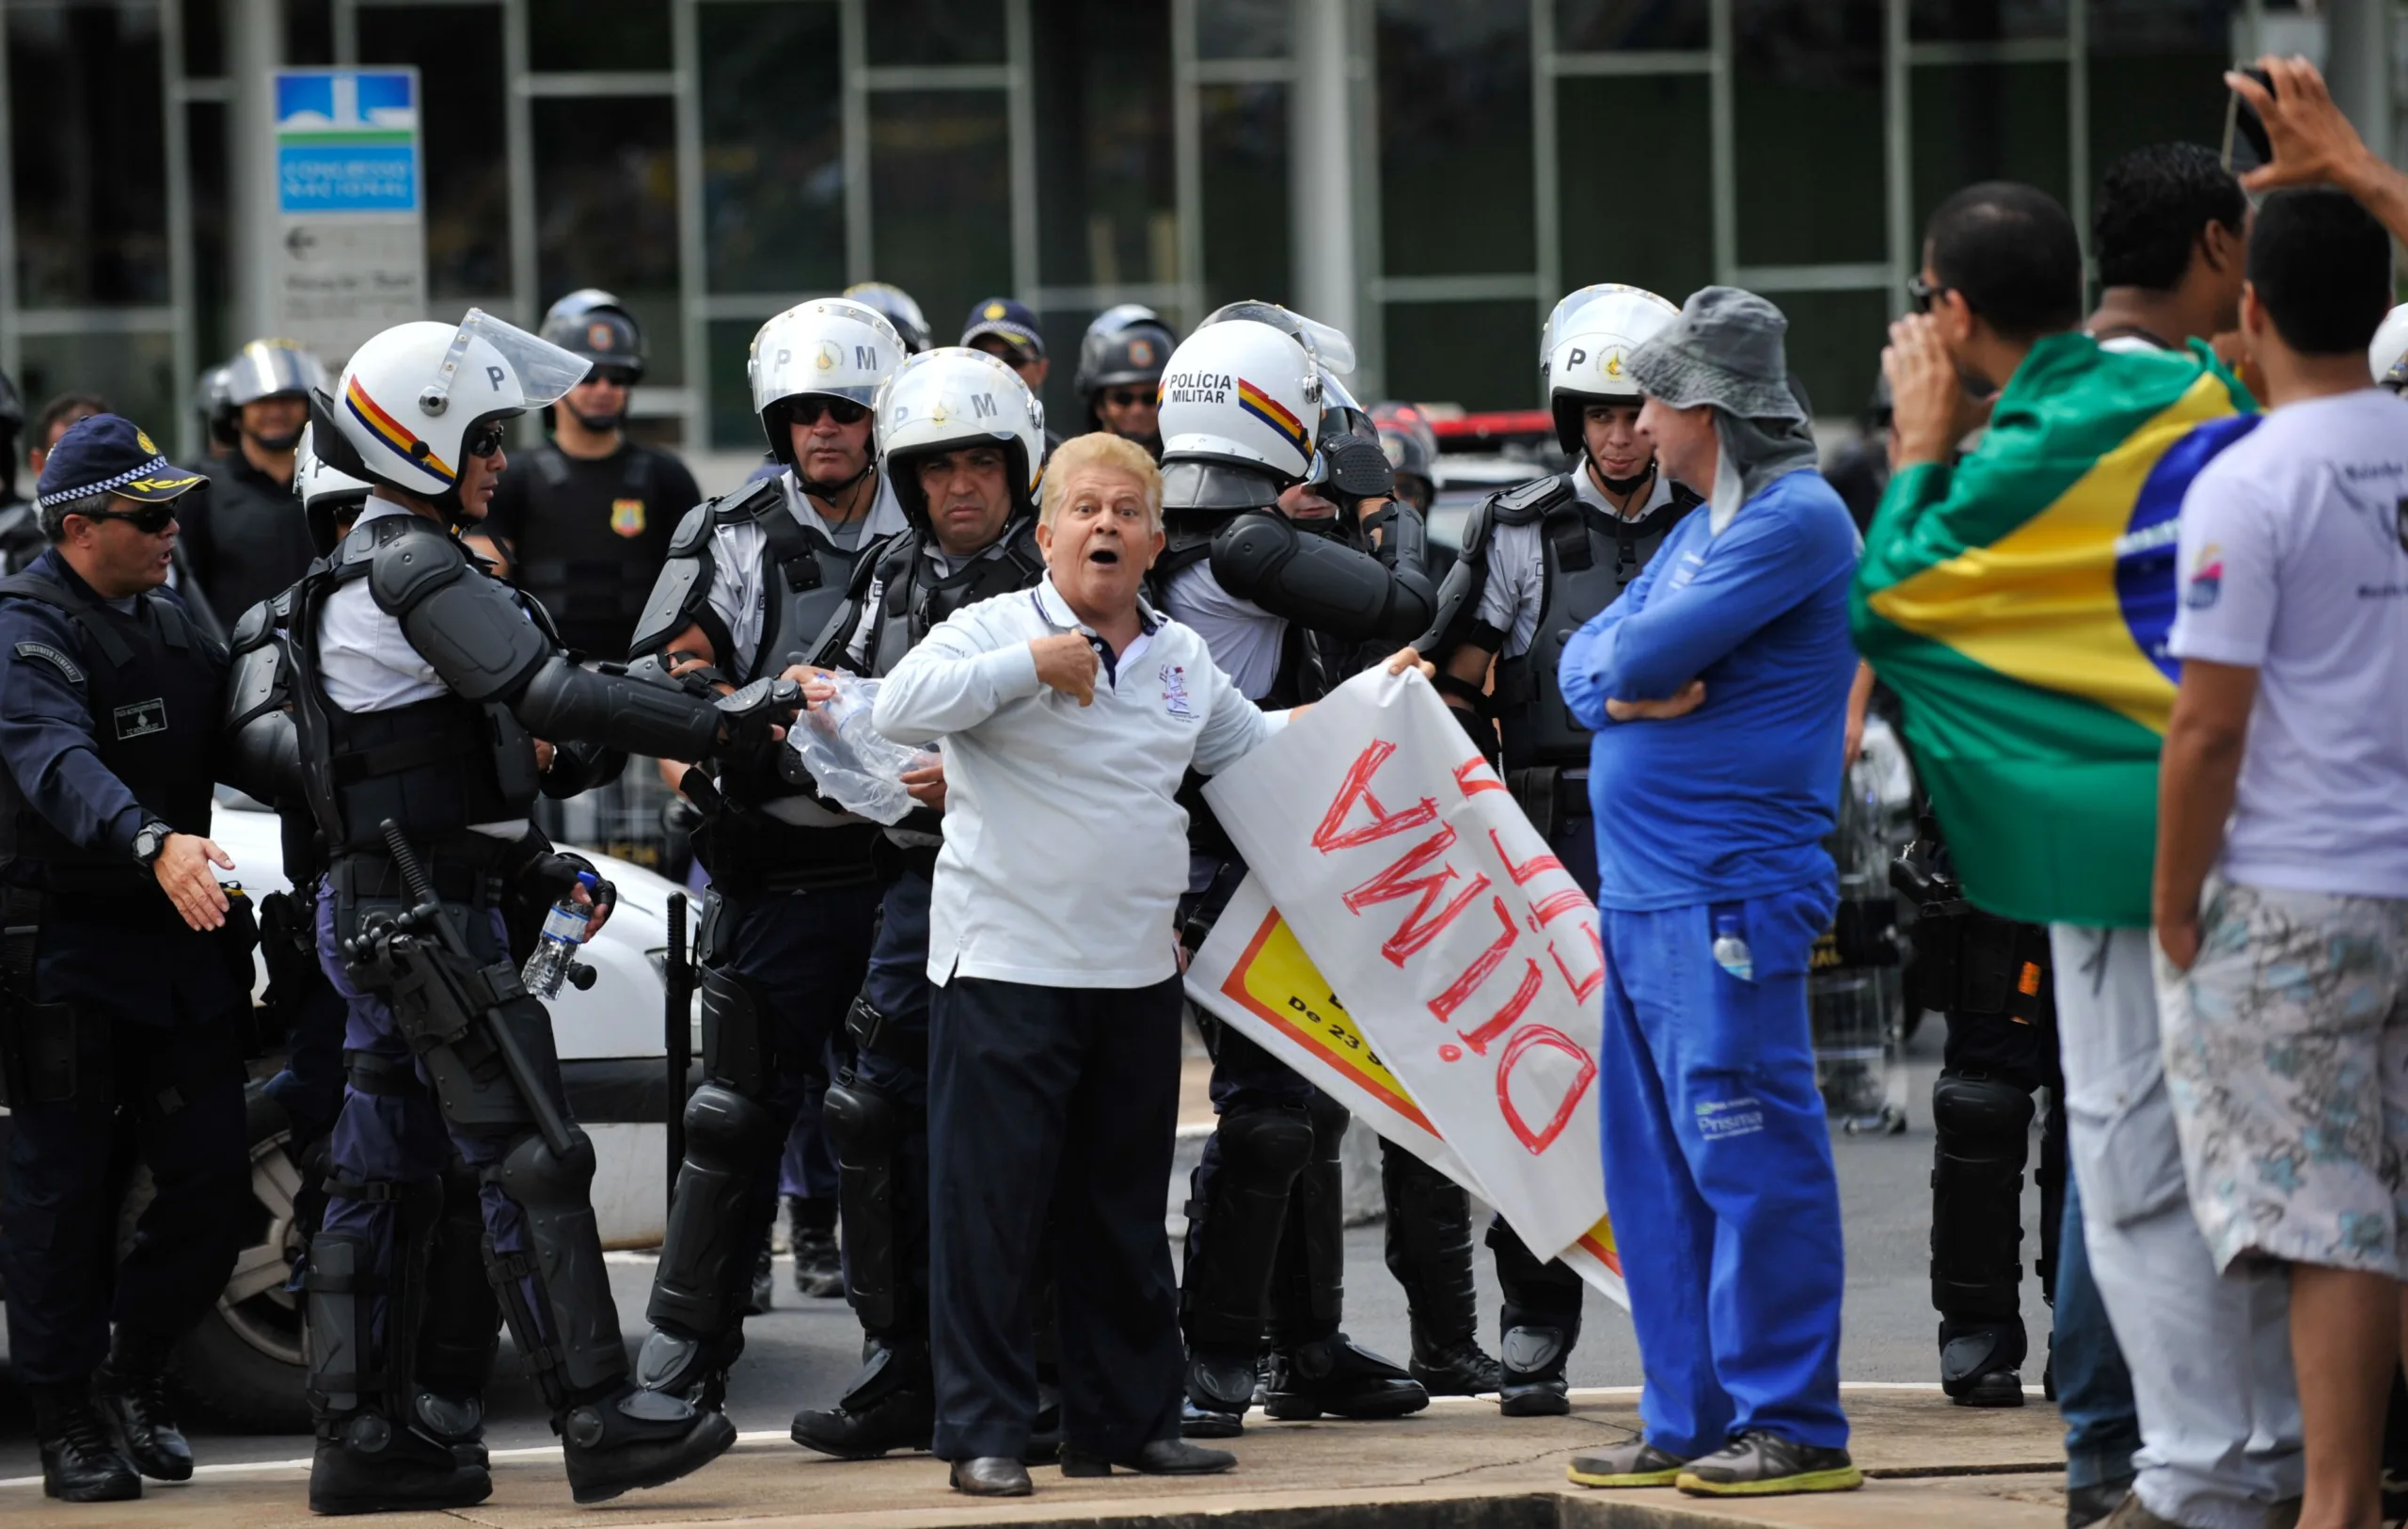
[{"x": 2039, "y": 604}]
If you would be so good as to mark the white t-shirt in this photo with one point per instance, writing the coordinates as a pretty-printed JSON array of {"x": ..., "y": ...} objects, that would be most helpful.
[{"x": 2294, "y": 562}]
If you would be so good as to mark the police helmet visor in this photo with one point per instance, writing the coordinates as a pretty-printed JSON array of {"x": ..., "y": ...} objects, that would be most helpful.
[
  {"x": 1330, "y": 347},
  {"x": 272, "y": 369},
  {"x": 545, "y": 372},
  {"x": 1215, "y": 485}
]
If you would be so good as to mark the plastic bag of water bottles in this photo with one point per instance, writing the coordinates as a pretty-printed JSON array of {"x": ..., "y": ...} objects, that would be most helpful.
[{"x": 854, "y": 764}]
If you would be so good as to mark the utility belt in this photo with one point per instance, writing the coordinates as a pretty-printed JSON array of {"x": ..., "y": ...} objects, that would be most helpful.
[
  {"x": 465, "y": 866},
  {"x": 1550, "y": 795},
  {"x": 60, "y": 1053},
  {"x": 1974, "y": 963},
  {"x": 751, "y": 854}
]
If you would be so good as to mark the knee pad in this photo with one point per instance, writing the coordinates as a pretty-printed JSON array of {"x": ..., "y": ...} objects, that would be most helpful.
[
  {"x": 867, "y": 1129},
  {"x": 456, "y": 1343},
  {"x": 1309, "y": 1285},
  {"x": 349, "y": 1301},
  {"x": 1234, "y": 1220},
  {"x": 737, "y": 1049},
  {"x": 707, "y": 1254},
  {"x": 554, "y": 1291},
  {"x": 1982, "y": 1134}
]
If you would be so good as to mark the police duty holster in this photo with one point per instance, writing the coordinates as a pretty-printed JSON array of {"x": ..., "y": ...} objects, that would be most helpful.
[
  {"x": 444, "y": 1009},
  {"x": 38, "y": 1042}
]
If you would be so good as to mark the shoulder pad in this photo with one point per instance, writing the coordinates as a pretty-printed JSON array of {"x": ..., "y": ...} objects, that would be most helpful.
[
  {"x": 1525, "y": 503},
  {"x": 749, "y": 502},
  {"x": 405, "y": 569},
  {"x": 255, "y": 626},
  {"x": 693, "y": 531}
]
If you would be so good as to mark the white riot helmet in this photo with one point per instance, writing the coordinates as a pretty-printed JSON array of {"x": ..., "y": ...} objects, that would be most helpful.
[
  {"x": 413, "y": 400},
  {"x": 829, "y": 347},
  {"x": 1240, "y": 405},
  {"x": 326, "y": 495},
  {"x": 2388, "y": 355},
  {"x": 1584, "y": 351},
  {"x": 944, "y": 399}
]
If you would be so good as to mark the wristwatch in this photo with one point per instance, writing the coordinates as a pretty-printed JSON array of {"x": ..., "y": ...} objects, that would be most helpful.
[{"x": 149, "y": 840}]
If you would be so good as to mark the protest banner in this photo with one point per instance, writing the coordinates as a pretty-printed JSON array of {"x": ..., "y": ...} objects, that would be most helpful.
[
  {"x": 1252, "y": 974},
  {"x": 1462, "y": 949}
]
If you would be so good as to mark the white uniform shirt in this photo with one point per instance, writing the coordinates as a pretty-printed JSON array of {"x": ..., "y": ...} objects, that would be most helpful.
[
  {"x": 1246, "y": 640},
  {"x": 365, "y": 662},
  {"x": 740, "y": 598},
  {"x": 1517, "y": 586},
  {"x": 2293, "y": 563},
  {"x": 1065, "y": 850}
]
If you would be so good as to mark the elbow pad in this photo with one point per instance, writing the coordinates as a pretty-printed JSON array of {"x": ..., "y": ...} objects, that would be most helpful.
[
  {"x": 262, "y": 757},
  {"x": 567, "y": 702},
  {"x": 1320, "y": 584}
]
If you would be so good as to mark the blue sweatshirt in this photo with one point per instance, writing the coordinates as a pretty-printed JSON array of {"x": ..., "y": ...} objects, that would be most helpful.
[{"x": 1734, "y": 799}]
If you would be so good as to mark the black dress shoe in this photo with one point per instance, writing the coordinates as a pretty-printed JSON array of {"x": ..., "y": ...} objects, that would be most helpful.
[
  {"x": 80, "y": 1462},
  {"x": 991, "y": 1476},
  {"x": 1162, "y": 1457},
  {"x": 1338, "y": 1377},
  {"x": 638, "y": 1439},
  {"x": 137, "y": 1408}
]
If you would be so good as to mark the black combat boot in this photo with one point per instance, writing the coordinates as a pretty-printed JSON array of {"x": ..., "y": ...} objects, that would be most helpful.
[
  {"x": 631, "y": 1439},
  {"x": 1532, "y": 1360},
  {"x": 891, "y": 1404},
  {"x": 456, "y": 1422},
  {"x": 80, "y": 1462},
  {"x": 1339, "y": 1377},
  {"x": 1980, "y": 1362},
  {"x": 131, "y": 1390},
  {"x": 366, "y": 1464},
  {"x": 1429, "y": 1250},
  {"x": 1220, "y": 1387}
]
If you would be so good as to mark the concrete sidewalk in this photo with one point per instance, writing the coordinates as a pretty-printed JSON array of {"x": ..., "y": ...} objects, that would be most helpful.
[{"x": 1457, "y": 1466}]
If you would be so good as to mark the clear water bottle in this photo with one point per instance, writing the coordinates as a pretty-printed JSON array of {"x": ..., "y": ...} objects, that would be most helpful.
[
  {"x": 556, "y": 947},
  {"x": 1731, "y": 950}
]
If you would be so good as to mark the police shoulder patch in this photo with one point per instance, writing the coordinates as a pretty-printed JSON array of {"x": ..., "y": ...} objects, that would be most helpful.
[{"x": 44, "y": 653}]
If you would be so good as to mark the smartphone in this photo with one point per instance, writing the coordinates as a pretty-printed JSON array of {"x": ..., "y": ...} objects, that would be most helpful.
[{"x": 2243, "y": 129}]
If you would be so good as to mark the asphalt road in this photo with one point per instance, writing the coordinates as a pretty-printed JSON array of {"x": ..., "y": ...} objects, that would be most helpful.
[{"x": 801, "y": 1354}]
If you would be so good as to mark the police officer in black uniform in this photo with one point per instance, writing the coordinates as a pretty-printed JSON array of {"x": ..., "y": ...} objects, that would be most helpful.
[
  {"x": 1121, "y": 358},
  {"x": 1286, "y": 552},
  {"x": 418, "y": 681},
  {"x": 1538, "y": 561},
  {"x": 583, "y": 521},
  {"x": 751, "y": 584},
  {"x": 250, "y": 545},
  {"x": 125, "y": 967},
  {"x": 963, "y": 439}
]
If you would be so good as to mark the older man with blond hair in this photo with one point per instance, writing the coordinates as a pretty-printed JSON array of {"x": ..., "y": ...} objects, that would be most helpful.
[{"x": 1070, "y": 713}]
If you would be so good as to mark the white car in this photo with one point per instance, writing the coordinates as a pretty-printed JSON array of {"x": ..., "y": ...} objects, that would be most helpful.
[{"x": 245, "y": 1365}]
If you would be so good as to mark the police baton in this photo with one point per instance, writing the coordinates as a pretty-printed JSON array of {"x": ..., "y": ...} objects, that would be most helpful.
[
  {"x": 557, "y": 1133},
  {"x": 676, "y": 1035}
]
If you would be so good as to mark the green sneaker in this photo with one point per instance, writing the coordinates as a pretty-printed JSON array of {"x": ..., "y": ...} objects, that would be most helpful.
[
  {"x": 1638, "y": 1463},
  {"x": 1759, "y": 1464}
]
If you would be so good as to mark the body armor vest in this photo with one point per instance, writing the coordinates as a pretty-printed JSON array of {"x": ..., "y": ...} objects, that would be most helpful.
[
  {"x": 1590, "y": 558},
  {"x": 576, "y": 566},
  {"x": 433, "y": 766},
  {"x": 806, "y": 573},
  {"x": 909, "y": 598},
  {"x": 152, "y": 683}
]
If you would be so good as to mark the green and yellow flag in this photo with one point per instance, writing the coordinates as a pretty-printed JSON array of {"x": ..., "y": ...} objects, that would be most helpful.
[{"x": 2019, "y": 605}]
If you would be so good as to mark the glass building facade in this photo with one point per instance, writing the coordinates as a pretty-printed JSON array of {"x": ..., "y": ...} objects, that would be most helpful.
[{"x": 1429, "y": 174}]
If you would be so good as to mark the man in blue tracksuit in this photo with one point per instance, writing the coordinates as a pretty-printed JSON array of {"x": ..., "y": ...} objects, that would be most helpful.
[{"x": 1718, "y": 687}]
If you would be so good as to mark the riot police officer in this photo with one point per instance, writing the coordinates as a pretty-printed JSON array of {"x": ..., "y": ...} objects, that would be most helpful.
[
  {"x": 900, "y": 311},
  {"x": 963, "y": 441},
  {"x": 212, "y": 401},
  {"x": 1121, "y": 365},
  {"x": 752, "y": 582},
  {"x": 1538, "y": 561},
  {"x": 584, "y": 520},
  {"x": 418, "y": 681},
  {"x": 1287, "y": 554},
  {"x": 20, "y": 537},
  {"x": 249, "y": 544},
  {"x": 1412, "y": 447},
  {"x": 124, "y": 973}
]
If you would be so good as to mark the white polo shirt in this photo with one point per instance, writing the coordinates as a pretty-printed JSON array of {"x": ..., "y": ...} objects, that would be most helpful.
[{"x": 1065, "y": 850}]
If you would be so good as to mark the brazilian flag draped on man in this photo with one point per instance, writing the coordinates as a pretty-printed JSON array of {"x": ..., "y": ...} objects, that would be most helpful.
[{"x": 2019, "y": 605}]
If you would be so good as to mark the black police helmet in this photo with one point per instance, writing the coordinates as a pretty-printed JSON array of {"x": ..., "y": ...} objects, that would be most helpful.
[
  {"x": 1132, "y": 355},
  {"x": 592, "y": 323}
]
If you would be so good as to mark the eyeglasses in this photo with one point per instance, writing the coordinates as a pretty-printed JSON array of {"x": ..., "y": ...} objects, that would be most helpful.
[
  {"x": 1127, "y": 397},
  {"x": 149, "y": 520},
  {"x": 483, "y": 441},
  {"x": 1923, "y": 293},
  {"x": 806, "y": 411}
]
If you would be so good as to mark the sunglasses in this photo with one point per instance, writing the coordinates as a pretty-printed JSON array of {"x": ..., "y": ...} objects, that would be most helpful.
[
  {"x": 1923, "y": 293},
  {"x": 1126, "y": 397},
  {"x": 149, "y": 520},
  {"x": 482, "y": 441},
  {"x": 615, "y": 376},
  {"x": 806, "y": 411}
]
